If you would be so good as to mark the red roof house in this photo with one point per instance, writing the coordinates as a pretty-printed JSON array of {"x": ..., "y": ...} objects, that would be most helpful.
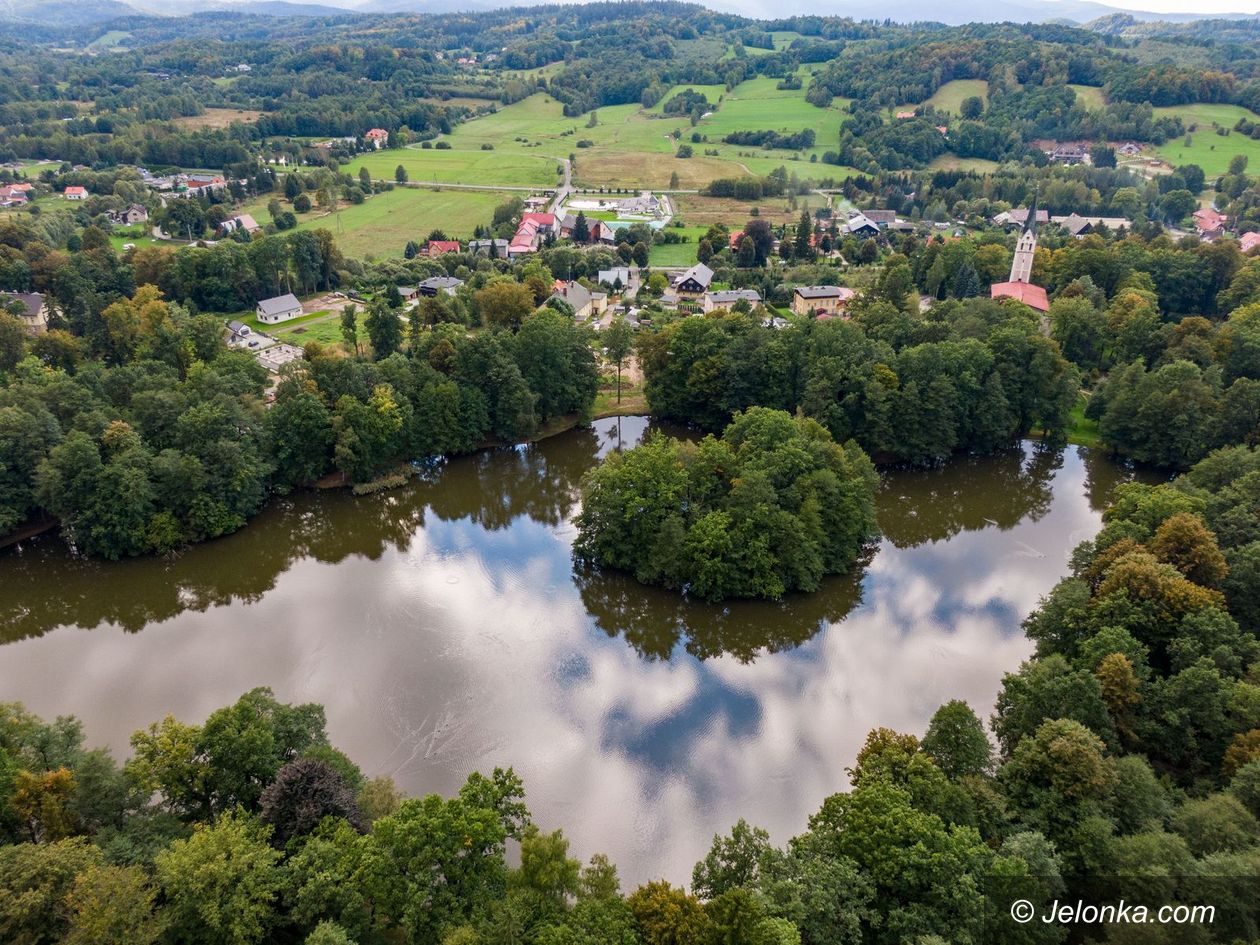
[
  {"x": 1208, "y": 219},
  {"x": 76, "y": 193},
  {"x": 1034, "y": 296},
  {"x": 1248, "y": 241},
  {"x": 438, "y": 247}
]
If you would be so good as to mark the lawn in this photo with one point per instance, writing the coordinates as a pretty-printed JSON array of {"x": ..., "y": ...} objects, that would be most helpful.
[
  {"x": 1080, "y": 431},
  {"x": 678, "y": 254},
  {"x": 1090, "y": 96},
  {"x": 455, "y": 166},
  {"x": 1209, "y": 150},
  {"x": 952, "y": 162},
  {"x": 700, "y": 211},
  {"x": 949, "y": 97},
  {"x": 381, "y": 226}
]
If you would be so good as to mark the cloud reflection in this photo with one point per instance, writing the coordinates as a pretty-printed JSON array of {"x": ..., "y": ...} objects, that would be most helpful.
[{"x": 444, "y": 630}]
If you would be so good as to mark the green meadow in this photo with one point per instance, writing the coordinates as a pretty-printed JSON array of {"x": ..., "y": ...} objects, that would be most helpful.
[
  {"x": 1209, "y": 150},
  {"x": 1090, "y": 96},
  {"x": 950, "y": 96},
  {"x": 490, "y": 168}
]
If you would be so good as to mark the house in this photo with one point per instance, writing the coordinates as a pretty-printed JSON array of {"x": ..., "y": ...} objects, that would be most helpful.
[
  {"x": 1034, "y": 296},
  {"x": 409, "y": 293},
  {"x": 902, "y": 116},
  {"x": 75, "y": 193},
  {"x": 694, "y": 283},
  {"x": 1209, "y": 223},
  {"x": 1079, "y": 226},
  {"x": 239, "y": 334},
  {"x": 438, "y": 247},
  {"x": 1019, "y": 217},
  {"x": 532, "y": 231},
  {"x": 733, "y": 242},
  {"x": 821, "y": 299},
  {"x": 1068, "y": 153},
  {"x": 377, "y": 138},
  {"x": 619, "y": 276},
  {"x": 435, "y": 284},
  {"x": 30, "y": 309},
  {"x": 1130, "y": 149},
  {"x": 578, "y": 296},
  {"x": 130, "y": 216},
  {"x": 278, "y": 309},
  {"x": 486, "y": 247},
  {"x": 240, "y": 222},
  {"x": 1249, "y": 241},
  {"x": 603, "y": 232},
  {"x": 726, "y": 298},
  {"x": 861, "y": 225},
  {"x": 13, "y": 195}
]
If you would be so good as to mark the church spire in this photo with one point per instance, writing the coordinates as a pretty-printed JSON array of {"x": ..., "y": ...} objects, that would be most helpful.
[
  {"x": 1026, "y": 246},
  {"x": 1031, "y": 223}
]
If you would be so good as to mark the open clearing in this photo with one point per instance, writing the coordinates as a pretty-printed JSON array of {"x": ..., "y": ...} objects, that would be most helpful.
[
  {"x": 1090, "y": 96},
  {"x": 1209, "y": 150},
  {"x": 696, "y": 210},
  {"x": 489, "y": 168},
  {"x": 382, "y": 225},
  {"x": 949, "y": 97},
  {"x": 952, "y": 162},
  {"x": 218, "y": 118}
]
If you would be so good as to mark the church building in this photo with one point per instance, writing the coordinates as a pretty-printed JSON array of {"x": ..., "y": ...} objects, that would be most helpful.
[{"x": 1020, "y": 286}]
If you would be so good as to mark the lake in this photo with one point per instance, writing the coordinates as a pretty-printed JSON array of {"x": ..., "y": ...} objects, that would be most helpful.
[{"x": 444, "y": 629}]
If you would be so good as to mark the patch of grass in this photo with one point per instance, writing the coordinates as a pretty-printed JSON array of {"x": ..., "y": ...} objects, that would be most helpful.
[
  {"x": 633, "y": 399},
  {"x": 678, "y": 254},
  {"x": 382, "y": 225},
  {"x": 1209, "y": 150},
  {"x": 215, "y": 118},
  {"x": 1080, "y": 430},
  {"x": 949, "y": 97},
  {"x": 458, "y": 166},
  {"x": 952, "y": 162},
  {"x": 1090, "y": 96}
]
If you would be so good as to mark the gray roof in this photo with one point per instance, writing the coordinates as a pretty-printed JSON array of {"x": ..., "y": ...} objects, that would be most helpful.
[
  {"x": 734, "y": 295},
  {"x": 281, "y": 303},
  {"x": 820, "y": 291},
  {"x": 238, "y": 327},
  {"x": 441, "y": 282},
  {"x": 32, "y": 300},
  {"x": 700, "y": 272},
  {"x": 575, "y": 294}
]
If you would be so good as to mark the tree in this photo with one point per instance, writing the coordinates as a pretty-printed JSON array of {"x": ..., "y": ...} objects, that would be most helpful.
[
  {"x": 222, "y": 883},
  {"x": 384, "y": 329},
  {"x": 957, "y": 743},
  {"x": 581, "y": 229},
  {"x": 36, "y": 880},
  {"x": 350, "y": 327},
  {"x": 668, "y": 916},
  {"x": 400, "y": 174},
  {"x": 804, "y": 233},
  {"x": 43, "y": 803},
  {"x": 747, "y": 254},
  {"x": 365, "y": 178},
  {"x": 971, "y": 107},
  {"x": 1185, "y": 542},
  {"x": 504, "y": 304},
  {"x": 733, "y": 862},
  {"x": 640, "y": 254},
  {"x": 704, "y": 252},
  {"x": 618, "y": 339},
  {"x": 304, "y": 792},
  {"x": 112, "y": 904},
  {"x": 12, "y": 341},
  {"x": 302, "y": 203}
]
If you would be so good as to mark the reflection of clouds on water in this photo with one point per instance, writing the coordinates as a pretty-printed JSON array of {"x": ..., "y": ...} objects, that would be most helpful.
[{"x": 642, "y": 723}]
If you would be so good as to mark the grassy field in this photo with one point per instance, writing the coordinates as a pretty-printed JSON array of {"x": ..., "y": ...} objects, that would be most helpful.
[
  {"x": 629, "y": 146},
  {"x": 952, "y": 162},
  {"x": 381, "y": 226},
  {"x": 949, "y": 97},
  {"x": 108, "y": 40},
  {"x": 218, "y": 118},
  {"x": 1090, "y": 96},
  {"x": 701, "y": 211},
  {"x": 1210, "y": 151},
  {"x": 489, "y": 168},
  {"x": 678, "y": 254}
]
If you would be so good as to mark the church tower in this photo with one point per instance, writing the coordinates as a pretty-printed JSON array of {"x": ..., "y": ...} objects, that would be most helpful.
[{"x": 1021, "y": 265}]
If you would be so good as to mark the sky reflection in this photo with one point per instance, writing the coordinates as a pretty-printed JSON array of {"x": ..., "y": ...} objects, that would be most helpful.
[{"x": 444, "y": 630}]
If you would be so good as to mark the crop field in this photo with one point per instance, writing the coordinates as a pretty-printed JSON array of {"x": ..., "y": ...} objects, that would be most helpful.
[
  {"x": 696, "y": 210},
  {"x": 949, "y": 97},
  {"x": 1209, "y": 150}
]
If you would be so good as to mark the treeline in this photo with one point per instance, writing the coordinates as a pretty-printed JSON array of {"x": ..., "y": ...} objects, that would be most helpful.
[
  {"x": 146, "y": 433},
  {"x": 773, "y": 139},
  {"x": 970, "y": 375},
  {"x": 770, "y": 507}
]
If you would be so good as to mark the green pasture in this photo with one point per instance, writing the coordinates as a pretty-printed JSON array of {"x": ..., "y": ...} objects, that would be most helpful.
[
  {"x": 1209, "y": 150},
  {"x": 949, "y": 97},
  {"x": 455, "y": 166},
  {"x": 1090, "y": 96}
]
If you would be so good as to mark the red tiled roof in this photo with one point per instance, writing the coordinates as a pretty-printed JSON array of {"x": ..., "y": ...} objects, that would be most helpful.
[
  {"x": 1034, "y": 296},
  {"x": 438, "y": 247},
  {"x": 1249, "y": 241},
  {"x": 541, "y": 219},
  {"x": 1209, "y": 219},
  {"x": 377, "y": 133},
  {"x": 76, "y": 191}
]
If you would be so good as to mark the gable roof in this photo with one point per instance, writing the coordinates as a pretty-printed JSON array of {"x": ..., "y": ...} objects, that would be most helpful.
[
  {"x": 1249, "y": 241},
  {"x": 700, "y": 273},
  {"x": 33, "y": 301},
  {"x": 723, "y": 296},
  {"x": 441, "y": 282},
  {"x": 823, "y": 292},
  {"x": 438, "y": 247},
  {"x": 1034, "y": 296},
  {"x": 281, "y": 303},
  {"x": 76, "y": 191}
]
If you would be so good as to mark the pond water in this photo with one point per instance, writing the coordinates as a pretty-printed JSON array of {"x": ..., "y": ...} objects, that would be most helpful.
[{"x": 444, "y": 629}]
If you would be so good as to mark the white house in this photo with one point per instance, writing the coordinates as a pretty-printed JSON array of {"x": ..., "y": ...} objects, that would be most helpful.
[{"x": 279, "y": 309}]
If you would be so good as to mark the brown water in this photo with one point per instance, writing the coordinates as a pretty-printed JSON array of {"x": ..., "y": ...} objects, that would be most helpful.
[{"x": 444, "y": 630}]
